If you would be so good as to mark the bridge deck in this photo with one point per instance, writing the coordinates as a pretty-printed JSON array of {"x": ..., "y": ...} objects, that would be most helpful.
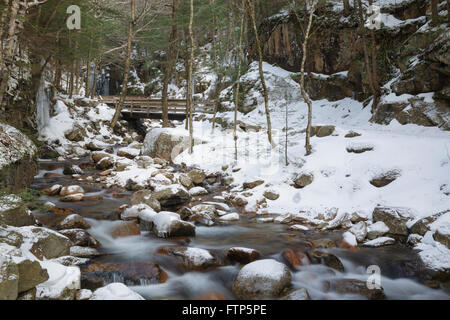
[{"x": 142, "y": 107}]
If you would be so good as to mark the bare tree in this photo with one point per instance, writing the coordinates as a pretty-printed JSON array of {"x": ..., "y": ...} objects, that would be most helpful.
[
  {"x": 434, "y": 12},
  {"x": 9, "y": 47},
  {"x": 190, "y": 100},
  {"x": 302, "y": 78},
  {"x": 238, "y": 81},
  {"x": 261, "y": 73},
  {"x": 169, "y": 65},
  {"x": 127, "y": 63}
]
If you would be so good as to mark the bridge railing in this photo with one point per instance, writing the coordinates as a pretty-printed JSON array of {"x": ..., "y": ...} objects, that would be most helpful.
[{"x": 134, "y": 104}]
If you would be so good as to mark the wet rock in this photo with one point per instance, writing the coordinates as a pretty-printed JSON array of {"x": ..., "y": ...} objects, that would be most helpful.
[
  {"x": 323, "y": 243},
  {"x": 384, "y": 179},
  {"x": 262, "y": 279},
  {"x": 211, "y": 296},
  {"x": 442, "y": 235},
  {"x": 298, "y": 294},
  {"x": 252, "y": 184},
  {"x": 394, "y": 217},
  {"x": 70, "y": 190},
  {"x": 271, "y": 195},
  {"x": 348, "y": 241},
  {"x": 169, "y": 224},
  {"x": 73, "y": 221},
  {"x": 379, "y": 242},
  {"x": 53, "y": 190},
  {"x": 295, "y": 259},
  {"x": 126, "y": 229},
  {"x": 72, "y": 198},
  {"x": 325, "y": 258},
  {"x": 353, "y": 286},
  {"x": 130, "y": 273},
  {"x": 303, "y": 180},
  {"x": 115, "y": 291},
  {"x": 145, "y": 196},
  {"x": 173, "y": 195},
  {"x": 72, "y": 169},
  {"x": 196, "y": 259},
  {"x": 197, "y": 176},
  {"x": 80, "y": 237},
  {"x": 377, "y": 229},
  {"x": 242, "y": 255}
]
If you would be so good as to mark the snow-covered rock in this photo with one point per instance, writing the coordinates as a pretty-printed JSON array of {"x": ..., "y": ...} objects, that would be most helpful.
[
  {"x": 262, "y": 279},
  {"x": 230, "y": 217},
  {"x": 377, "y": 229},
  {"x": 378, "y": 242},
  {"x": 62, "y": 284},
  {"x": 198, "y": 191},
  {"x": 115, "y": 291}
]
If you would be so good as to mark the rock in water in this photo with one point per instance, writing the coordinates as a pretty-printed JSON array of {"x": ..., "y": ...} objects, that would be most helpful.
[
  {"x": 262, "y": 279},
  {"x": 173, "y": 195},
  {"x": 394, "y": 217}
]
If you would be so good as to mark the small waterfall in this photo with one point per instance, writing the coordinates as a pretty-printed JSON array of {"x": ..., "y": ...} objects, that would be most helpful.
[{"x": 42, "y": 106}]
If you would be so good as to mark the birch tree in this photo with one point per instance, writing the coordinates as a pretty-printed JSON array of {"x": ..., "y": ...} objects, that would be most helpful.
[
  {"x": 190, "y": 105},
  {"x": 251, "y": 6}
]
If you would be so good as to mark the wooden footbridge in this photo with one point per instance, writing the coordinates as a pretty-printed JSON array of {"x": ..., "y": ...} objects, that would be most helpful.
[{"x": 136, "y": 107}]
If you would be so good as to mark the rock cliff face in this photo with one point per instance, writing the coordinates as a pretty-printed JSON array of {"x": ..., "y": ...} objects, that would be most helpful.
[
  {"x": 17, "y": 159},
  {"x": 413, "y": 59}
]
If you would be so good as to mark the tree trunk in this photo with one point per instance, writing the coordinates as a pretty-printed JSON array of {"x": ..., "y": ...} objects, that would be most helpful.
[
  {"x": 4, "y": 73},
  {"x": 302, "y": 81},
  {"x": 376, "y": 96},
  {"x": 238, "y": 81},
  {"x": 366, "y": 50},
  {"x": 434, "y": 12},
  {"x": 448, "y": 12},
  {"x": 261, "y": 73},
  {"x": 94, "y": 83},
  {"x": 127, "y": 64},
  {"x": 190, "y": 76},
  {"x": 88, "y": 72},
  {"x": 9, "y": 48},
  {"x": 347, "y": 8},
  {"x": 169, "y": 65}
]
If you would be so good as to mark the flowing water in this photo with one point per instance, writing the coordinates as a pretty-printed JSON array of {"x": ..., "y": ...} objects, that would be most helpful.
[{"x": 400, "y": 267}]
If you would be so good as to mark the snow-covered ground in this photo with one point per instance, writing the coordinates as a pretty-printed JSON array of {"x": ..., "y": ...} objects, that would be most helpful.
[{"x": 420, "y": 156}]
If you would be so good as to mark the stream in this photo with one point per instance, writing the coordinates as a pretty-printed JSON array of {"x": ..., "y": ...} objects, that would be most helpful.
[{"x": 401, "y": 277}]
